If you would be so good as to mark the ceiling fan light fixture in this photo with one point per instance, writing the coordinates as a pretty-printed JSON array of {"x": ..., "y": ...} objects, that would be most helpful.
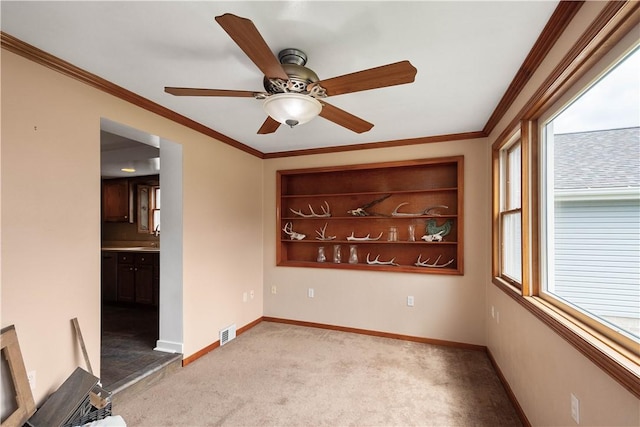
[{"x": 292, "y": 109}]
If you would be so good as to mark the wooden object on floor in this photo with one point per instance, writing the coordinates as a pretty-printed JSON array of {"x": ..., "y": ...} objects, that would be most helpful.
[
  {"x": 26, "y": 406},
  {"x": 62, "y": 405},
  {"x": 76, "y": 327},
  {"x": 98, "y": 401}
]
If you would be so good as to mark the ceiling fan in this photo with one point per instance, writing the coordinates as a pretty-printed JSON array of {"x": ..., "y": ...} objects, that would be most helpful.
[{"x": 293, "y": 93}]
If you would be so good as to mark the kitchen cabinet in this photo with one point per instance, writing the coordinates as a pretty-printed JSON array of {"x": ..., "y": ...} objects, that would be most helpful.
[
  {"x": 116, "y": 200},
  {"x": 136, "y": 277},
  {"x": 395, "y": 216},
  {"x": 144, "y": 278},
  {"x": 126, "y": 278},
  {"x": 156, "y": 280},
  {"x": 109, "y": 284}
]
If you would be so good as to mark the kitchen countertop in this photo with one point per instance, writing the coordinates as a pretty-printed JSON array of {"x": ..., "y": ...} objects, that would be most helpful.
[{"x": 130, "y": 249}]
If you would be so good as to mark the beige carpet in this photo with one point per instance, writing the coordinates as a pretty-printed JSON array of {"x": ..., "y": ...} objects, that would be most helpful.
[{"x": 285, "y": 375}]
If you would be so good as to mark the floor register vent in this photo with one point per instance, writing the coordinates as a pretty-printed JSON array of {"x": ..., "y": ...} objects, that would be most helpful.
[{"x": 227, "y": 334}]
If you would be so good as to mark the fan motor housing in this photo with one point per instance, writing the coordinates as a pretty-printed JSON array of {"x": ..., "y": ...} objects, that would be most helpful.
[{"x": 293, "y": 61}]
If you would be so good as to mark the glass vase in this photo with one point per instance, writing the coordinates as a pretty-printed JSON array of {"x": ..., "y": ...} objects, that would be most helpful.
[
  {"x": 321, "y": 256},
  {"x": 353, "y": 254},
  {"x": 412, "y": 233},
  {"x": 393, "y": 234},
  {"x": 337, "y": 254}
]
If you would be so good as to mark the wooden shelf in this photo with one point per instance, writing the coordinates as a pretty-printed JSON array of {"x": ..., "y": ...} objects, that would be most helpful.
[
  {"x": 372, "y": 193},
  {"x": 348, "y": 218},
  {"x": 393, "y": 194},
  {"x": 363, "y": 242}
]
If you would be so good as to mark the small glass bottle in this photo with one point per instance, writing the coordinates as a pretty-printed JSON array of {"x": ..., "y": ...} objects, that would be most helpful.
[
  {"x": 337, "y": 255},
  {"x": 393, "y": 234},
  {"x": 412, "y": 233},
  {"x": 353, "y": 254},
  {"x": 321, "y": 255}
]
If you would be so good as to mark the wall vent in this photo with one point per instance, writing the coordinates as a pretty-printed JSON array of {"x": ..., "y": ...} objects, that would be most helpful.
[{"x": 227, "y": 334}]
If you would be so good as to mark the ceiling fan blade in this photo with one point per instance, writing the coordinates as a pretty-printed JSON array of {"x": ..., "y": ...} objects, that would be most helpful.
[
  {"x": 387, "y": 75},
  {"x": 189, "y": 91},
  {"x": 269, "y": 126},
  {"x": 248, "y": 38},
  {"x": 344, "y": 119}
]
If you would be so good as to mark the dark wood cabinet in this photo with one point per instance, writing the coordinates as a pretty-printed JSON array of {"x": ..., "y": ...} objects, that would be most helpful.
[
  {"x": 144, "y": 278},
  {"x": 116, "y": 199},
  {"x": 136, "y": 277},
  {"x": 126, "y": 283},
  {"x": 109, "y": 284},
  {"x": 370, "y": 209},
  {"x": 126, "y": 278},
  {"x": 156, "y": 280}
]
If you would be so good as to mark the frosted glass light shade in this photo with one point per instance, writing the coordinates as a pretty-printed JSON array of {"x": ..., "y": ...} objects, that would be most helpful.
[{"x": 292, "y": 108}]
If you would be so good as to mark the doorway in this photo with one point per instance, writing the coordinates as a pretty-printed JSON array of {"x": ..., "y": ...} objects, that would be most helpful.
[{"x": 133, "y": 342}]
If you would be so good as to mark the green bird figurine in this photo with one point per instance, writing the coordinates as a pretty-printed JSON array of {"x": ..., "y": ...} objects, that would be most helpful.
[{"x": 442, "y": 230}]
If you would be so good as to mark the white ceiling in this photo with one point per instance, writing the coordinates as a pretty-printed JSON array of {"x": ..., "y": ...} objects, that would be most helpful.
[
  {"x": 466, "y": 53},
  {"x": 124, "y": 147}
]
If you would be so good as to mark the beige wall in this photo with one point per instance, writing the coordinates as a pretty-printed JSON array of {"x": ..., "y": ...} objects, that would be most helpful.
[
  {"x": 222, "y": 255},
  {"x": 541, "y": 368},
  {"x": 446, "y": 307},
  {"x": 51, "y": 248},
  {"x": 51, "y": 220}
]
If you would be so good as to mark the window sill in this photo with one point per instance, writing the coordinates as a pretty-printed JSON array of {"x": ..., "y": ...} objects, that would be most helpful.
[{"x": 621, "y": 364}]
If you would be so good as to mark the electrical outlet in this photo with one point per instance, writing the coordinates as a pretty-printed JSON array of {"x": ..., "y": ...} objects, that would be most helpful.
[
  {"x": 575, "y": 409},
  {"x": 31, "y": 376},
  {"x": 410, "y": 301},
  {"x": 274, "y": 290},
  {"x": 311, "y": 293},
  {"x": 252, "y": 294}
]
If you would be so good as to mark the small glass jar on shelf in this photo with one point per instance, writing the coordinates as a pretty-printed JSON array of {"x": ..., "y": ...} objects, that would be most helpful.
[
  {"x": 353, "y": 254},
  {"x": 321, "y": 256},
  {"x": 337, "y": 254}
]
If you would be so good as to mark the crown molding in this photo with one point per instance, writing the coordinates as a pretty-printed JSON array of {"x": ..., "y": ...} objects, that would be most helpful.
[
  {"x": 561, "y": 17},
  {"x": 17, "y": 46},
  {"x": 382, "y": 144}
]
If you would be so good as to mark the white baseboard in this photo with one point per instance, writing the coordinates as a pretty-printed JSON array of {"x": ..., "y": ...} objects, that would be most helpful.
[{"x": 169, "y": 347}]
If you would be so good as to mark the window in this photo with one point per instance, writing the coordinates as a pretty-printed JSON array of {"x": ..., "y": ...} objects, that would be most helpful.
[
  {"x": 590, "y": 203},
  {"x": 510, "y": 222},
  {"x": 148, "y": 209},
  {"x": 578, "y": 139},
  {"x": 155, "y": 211}
]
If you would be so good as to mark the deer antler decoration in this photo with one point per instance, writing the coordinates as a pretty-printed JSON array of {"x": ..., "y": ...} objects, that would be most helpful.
[
  {"x": 378, "y": 262},
  {"x": 321, "y": 234},
  {"x": 326, "y": 212},
  {"x": 420, "y": 263},
  {"x": 288, "y": 229}
]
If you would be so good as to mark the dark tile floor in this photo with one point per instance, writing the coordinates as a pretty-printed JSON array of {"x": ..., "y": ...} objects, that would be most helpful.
[{"x": 129, "y": 334}]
